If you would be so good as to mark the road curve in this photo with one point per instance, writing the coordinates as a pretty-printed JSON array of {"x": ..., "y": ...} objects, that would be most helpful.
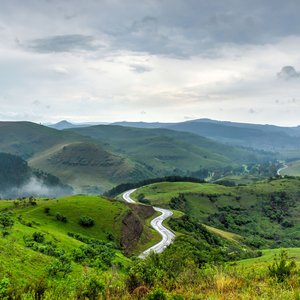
[
  {"x": 167, "y": 235},
  {"x": 281, "y": 169}
]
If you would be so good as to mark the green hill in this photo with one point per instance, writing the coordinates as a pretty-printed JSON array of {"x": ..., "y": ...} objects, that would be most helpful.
[
  {"x": 266, "y": 214},
  {"x": 88, "y": 166},
  {"x": 162, "y": 150},
  {"x": 94, "y": 159},
  {"x": 266, "y": 137}
]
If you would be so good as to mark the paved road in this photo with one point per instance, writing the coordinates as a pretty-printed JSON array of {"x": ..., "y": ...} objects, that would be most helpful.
[
  {"x": 167, "y": 235},
  {"x": 280, "y": 169}
]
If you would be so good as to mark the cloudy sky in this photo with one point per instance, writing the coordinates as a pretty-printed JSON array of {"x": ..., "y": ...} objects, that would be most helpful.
[{"x": 150, "y": 60}]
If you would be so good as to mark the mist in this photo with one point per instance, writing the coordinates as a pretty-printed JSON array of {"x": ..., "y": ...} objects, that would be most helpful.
[{"x": 36, "y": 188}]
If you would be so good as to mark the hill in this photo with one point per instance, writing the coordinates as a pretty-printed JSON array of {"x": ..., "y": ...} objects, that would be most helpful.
[
  {"x": 165, "y": 151},
  {"x": 265, "y": 213},
  {"x": 17, "y": 179},
  {"x": 264, "y": 137},
  {"x": 94, "y": 159},
  {"x": 88, "y": 165},
  {"x": 27, "y": 139}
]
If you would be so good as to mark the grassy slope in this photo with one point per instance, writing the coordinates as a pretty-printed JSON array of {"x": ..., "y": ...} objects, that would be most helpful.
[
  {"x": 247, "y": 198},
  {"x": 107, "y": 214},
  {"x": 268, "y": 257},
  {"x": 88, "y": 166},
  {"x": 167, "y": 149},
  {"x": 293, "y": 169}
]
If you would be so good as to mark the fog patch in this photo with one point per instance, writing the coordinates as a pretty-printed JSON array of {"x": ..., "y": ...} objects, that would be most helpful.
[{"x": 36, "y": 188}]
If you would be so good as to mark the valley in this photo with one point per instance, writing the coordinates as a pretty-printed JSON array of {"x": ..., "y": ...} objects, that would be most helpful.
[{"x": 144, "y": 213}]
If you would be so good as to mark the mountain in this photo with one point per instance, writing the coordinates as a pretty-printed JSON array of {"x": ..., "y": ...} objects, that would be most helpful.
[
  {"x": 167, "y": 151},
  {"x": 80, "y": 161},
  {"x": 142, "y": 124},
  {"x": 285, "y": 140},
  {"x": 94, "y": 159},
  {"x": 66, "y": 125}
]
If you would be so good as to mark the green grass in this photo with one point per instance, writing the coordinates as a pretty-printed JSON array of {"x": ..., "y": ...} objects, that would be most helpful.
[
  {"x": 161, "y": 193},
  {"x": 240, "y": 209},
  {"x": 293, "y": 169},
  {"x": 224, "y": 234},
  {"x": 267, "y": 258}
]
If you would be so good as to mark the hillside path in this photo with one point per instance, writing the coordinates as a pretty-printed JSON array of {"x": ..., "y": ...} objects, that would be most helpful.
[{"x": 157, "y": 223}]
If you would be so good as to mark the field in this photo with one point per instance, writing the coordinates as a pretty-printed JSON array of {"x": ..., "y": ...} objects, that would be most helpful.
[{"x": 293, "y": 169}]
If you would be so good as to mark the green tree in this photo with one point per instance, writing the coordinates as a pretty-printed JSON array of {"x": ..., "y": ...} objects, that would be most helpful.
[{"x": 6, "y": 222}]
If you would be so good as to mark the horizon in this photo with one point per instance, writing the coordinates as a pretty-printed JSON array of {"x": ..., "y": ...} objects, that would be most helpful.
[{"x": 146, "y": 122}]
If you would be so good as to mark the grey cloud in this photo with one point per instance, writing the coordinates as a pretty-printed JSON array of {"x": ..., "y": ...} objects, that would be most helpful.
[
  {"x": 140, "y": 68},
  {"x": 287, "y": 73},
  {"x": 63, "y": 43}
]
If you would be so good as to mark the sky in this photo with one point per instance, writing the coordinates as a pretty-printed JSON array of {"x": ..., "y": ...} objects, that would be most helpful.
[{"x": 150, "y": 60}]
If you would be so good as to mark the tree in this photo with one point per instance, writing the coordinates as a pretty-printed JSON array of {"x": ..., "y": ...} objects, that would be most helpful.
[{"x": 6, "y": 221}]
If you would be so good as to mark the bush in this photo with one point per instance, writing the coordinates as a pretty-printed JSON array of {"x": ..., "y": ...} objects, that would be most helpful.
[
  {"x": 4, "y": 285},
  {"x": 282, "y": 267},
  {"x": 157, "y": 294},
  {"x": 86, "y": 221},
  {"x": 60, "y": 217},
  {"x": 61, "y": 266},
  {"x": 47, "y": 210},
  {"x": 38, "y": 237}
]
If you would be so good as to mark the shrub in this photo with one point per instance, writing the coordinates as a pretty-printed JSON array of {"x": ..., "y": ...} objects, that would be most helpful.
[
  {"x": 140, "y": 197},
  {"x": 47, "y": 210},
  {"x": 282, "y": 267},
  {"x": 60, "y": 217},
  {"x": 61, "y": 266},
  {"x": 86, "y": 221},
  {"x": 4, "y": 285},
  {"x": 157, "y": 294},
  {"x": 38, "y": 237}
]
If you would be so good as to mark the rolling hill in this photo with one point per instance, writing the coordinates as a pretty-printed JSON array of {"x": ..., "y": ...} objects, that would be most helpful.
[
  {"x": 266, "y": 213},
  {"x": 264, "y": 137},
  {"x": 168, "y": 150},
  {"x": 94, "y": 159}
]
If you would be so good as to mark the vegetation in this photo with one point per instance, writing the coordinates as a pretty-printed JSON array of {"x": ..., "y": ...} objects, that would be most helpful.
[
  {"x": 86, "y": 221},
  {"x": 244, "y": 210},
  {"x": 71, "y": 261}
]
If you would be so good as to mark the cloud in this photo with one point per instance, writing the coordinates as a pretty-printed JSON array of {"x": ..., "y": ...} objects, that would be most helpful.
[
  {"x": 63, "y": 43},
  {"x": 287, "y": 73},
  {"x": 140, "y": 68}
]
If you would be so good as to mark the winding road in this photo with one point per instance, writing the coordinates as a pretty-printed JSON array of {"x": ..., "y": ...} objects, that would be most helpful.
[
  {"x": 157, "y": 223},
  {"x": 282, "y": 168}
]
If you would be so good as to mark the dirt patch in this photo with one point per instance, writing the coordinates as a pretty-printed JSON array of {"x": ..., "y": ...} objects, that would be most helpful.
[{"x": 133, "y": 226}]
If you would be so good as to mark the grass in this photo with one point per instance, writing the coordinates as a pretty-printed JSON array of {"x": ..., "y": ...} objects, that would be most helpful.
[
  {"x": 293, "y": 169},
  {"x": 161, "y": 193},
  {"x": 224, "y": 234},
  {"x": 238, "y": 209},
  {"x": 107, "y": 215},
  {"x": 268, "y": 257}
]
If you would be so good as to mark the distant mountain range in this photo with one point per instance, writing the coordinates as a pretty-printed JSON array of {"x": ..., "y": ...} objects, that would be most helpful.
[
  {"x": 94, "y": 159},
  {"x": 67, "y": 125},
  {"x": 264, "y": 137}
]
